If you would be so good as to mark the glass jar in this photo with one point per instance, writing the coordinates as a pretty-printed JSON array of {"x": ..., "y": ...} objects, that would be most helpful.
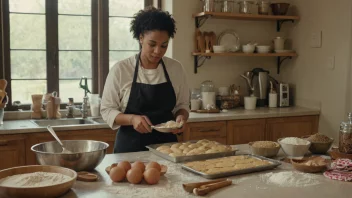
[
  {"x": 209, "y": 5},
  {"x": 263, "y": 7},
  {"x": 227, "y": 6},
  {"x": 208, "y": 94},
  {"x": 196, "y": 101},
  {"x": 245, "y": 7},
  {"x": 345, "y": 143}
]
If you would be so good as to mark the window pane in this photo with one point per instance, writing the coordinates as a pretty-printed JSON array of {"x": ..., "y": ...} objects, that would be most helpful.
[
  {"x": 83, "y": 7},
  {"x": 70, "y": 89},
  {"x": 118, "y": 56},
  {"x": 75, "y": 33},
  {"x": 125, "y": 8},
  {"x": 27, "y": 6},
  {"x": 27, "y": 31},
  {"x": 75, "y": 64},
  {"x": 120, "y": 36},
  {"x": 23, "y": 89},
  {"x": 28, "y": 64}
]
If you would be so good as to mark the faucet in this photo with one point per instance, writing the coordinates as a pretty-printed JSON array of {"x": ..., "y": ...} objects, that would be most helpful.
[{"x": 84, "y": 107}]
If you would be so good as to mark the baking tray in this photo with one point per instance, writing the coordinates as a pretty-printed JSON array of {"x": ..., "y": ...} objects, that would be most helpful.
[
  {"x": 274, "y": 164},
  {"x": 152, "y": 148}
]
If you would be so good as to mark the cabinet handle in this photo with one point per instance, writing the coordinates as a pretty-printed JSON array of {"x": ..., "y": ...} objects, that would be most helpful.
[
  {"x": 3, "y": 142},
  {"x": 209, "y": 130}
]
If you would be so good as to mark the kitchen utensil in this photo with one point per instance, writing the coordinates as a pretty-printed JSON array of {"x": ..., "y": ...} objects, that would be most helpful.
[
  {"x": 3, "y": 84},
  {"x": 319, "y": 147},
  {"x": 263, "y": 88},
  {"x": 345, "y": 136},
  {"x": 86, "y": 154},
  {"x": 189, "y": 187},
  {"x": 265, "y": 152},
  {"x": 301, "y": 166},
  {"x": 39, "y": 192},
  {"x": 263, "y": 7},
  {"x": 294, "y": 150},
  {"x": 86, "y": 176},
  {"x": 279, "y": 8},
  {"x": 250, "y": 102},
  {"x": 201, "y": 43},
  {"x": 205, "y": 189},
  {"x": 245, "y": 7},
  {"x": 248, "y": 76},
  {"x": 162, "y": 171},
  {"x": 196, "y": 35},
  {"x": 52, "y": 132},
  {"x": 279, "y": 43},
  {"x": 230, "y": 39},
  {"x": 212, "y": 36},
  {"x": 207, "y": 42}
]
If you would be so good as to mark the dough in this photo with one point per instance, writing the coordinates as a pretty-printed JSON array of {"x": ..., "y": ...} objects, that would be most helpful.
[
  {"x": 211, "y": 151},
  {"x": 162, "y": 148},
  {"x": 176, "y": 150},
  {"x": 166, "y": 151},
  {"x": 182, "y": 147},
  {"x": 192, "y": 146},
  {"x": 176, "y": 154},
  {"x": 176, "y": 145},
  {"x": 186, "y": 150}
]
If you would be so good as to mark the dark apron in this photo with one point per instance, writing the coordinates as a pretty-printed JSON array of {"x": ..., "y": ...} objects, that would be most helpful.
[{"x": 154, "y": 101}]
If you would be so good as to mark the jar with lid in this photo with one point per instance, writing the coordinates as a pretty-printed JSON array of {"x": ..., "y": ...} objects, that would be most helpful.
[
  {"x": 245, "y": 7},
  {"x": 208, "y": 94},
  {"x": 263, "y": 7},
  {"x": 209, "y": 5},
  {"x": 345, "y": 143},
  {"x": 227, "y": 6},
  {"x": 195, "y": 99}
]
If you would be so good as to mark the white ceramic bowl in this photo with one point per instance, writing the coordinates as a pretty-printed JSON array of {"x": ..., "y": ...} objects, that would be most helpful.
[
  {"x": 263, "y": 48},
  {"x": 219, "y": 48},
  {"x": 294, "y": 150},
  {"x": 248, "y": 48}
]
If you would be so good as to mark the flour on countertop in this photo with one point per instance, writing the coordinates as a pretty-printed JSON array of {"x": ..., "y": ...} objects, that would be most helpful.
[
  {"x": 36, "y": 179},
  {"x": 290, "y": 179}
]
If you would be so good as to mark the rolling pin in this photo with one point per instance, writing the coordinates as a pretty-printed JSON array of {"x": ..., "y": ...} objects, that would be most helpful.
[{"x": 205, "y": 189}]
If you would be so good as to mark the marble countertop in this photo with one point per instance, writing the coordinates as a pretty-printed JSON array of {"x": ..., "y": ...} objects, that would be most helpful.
[
  {"x": 27, "y": 126},
  {"x": 170, "y": 186}
]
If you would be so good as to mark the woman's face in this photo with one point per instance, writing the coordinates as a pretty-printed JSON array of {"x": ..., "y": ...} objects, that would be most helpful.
[{"x": 154, "y": 45}]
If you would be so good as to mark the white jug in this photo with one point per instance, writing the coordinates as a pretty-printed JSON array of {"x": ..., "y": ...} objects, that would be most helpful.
[{"x": 279, "y": 43}]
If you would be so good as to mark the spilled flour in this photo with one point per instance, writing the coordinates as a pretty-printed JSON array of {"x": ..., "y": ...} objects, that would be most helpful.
[
  {"x": 36, "y": 179},
  {"x": 290, "y": 179}
]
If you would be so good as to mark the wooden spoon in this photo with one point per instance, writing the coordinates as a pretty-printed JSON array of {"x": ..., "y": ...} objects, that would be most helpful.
[
  {"x": 205, "y": 189},
  {"x": 190, "y": 186},
  {"x": 207, "y": 41}
]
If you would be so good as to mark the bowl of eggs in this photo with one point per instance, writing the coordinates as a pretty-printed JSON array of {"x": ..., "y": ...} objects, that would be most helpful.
[{"x": 136, "y": 172}]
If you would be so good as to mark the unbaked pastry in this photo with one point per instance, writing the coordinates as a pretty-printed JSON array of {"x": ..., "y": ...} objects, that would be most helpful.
[
  {"x": 176, "y": 154},
  {"x": 176, "y": 145},
  {"x": 176, "y": 150},
  {"x": 162, "y": 148}
]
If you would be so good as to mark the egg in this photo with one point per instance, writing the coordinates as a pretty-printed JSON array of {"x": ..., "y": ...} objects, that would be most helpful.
[
  {"x": 117, "y": 174},
  {"x": 134, "y": 176},
  {"x": 125, "y": 164},
  {"x": 140, "y": 165},
  {"x": 151, "y": 176},
  {"x": 113, "y": 165},
  {"x": 153, "y": 165}
]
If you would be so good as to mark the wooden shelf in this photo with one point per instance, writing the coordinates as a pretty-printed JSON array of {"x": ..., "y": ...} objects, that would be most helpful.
[
  {"x": 236, "y": 16},
  {"x": 292, "y": 54}
]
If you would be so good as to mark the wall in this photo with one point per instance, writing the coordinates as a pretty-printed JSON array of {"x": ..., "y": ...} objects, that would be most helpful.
[{"x": 310, "y": 72}]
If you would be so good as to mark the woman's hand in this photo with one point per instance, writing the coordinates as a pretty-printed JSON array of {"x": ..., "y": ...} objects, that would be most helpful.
[
  {"x": 141, "y": 124},
  {"x": 180, "y": 119}
]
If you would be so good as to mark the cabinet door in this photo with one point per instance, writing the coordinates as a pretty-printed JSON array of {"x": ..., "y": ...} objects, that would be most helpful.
[
  {"x": 244, "y": 131},
  {"x": 104, "y": 135},
  {"x": 291, "y": 127},
  {"x": 215, "y": 131},
  {"x": 12, "y": 151}
]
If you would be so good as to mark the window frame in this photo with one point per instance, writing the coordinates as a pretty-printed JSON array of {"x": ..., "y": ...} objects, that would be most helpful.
[{"x": 100, "y": 46}]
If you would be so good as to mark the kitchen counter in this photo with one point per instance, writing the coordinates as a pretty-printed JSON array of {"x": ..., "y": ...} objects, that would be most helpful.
[
  {"x": 247, "y": 185},
  {"x": 27, "y": 126}
]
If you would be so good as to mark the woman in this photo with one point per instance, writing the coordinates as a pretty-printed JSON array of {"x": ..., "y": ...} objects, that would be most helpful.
[{"x": 146, "y": 89}]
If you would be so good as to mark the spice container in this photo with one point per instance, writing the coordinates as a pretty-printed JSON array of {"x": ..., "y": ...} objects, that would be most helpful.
[
  {"x": 263, "y": 7},
  {"x": 245, "y": 7},
  {"x": 345, "y": 143}
]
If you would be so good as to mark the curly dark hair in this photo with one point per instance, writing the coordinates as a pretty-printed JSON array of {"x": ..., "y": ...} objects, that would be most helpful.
[{"x": 151, "y": 19}]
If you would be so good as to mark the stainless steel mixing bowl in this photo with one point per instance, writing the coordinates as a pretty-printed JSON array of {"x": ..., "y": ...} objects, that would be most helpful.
[{"x": 86, "y": 154}]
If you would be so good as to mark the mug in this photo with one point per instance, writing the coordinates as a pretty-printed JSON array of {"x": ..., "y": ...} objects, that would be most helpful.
[{"x": 279, "y": 43}]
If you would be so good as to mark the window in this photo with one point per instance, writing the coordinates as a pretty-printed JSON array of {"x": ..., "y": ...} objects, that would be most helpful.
[{"x": 48, "y": 45}]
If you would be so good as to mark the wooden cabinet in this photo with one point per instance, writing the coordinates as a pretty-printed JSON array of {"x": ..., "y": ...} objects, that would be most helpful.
[
  {"x": 104, "y": 135},
  {"x": 215, "y": 131},
  {"x": 244, "y": 131},
  {"x": 12, "y": 151},
  {"x": 291, "y": 127}
]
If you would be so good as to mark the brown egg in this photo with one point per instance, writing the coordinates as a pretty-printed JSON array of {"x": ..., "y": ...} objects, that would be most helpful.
[
  {"x": 140, "y": 165},
  {"x": 125, "y": 164},
  {"x": 134, "y": 176},
  {"x": 153, "y": 165},
  {"x": 117, "y": 174},
  {"x": 152, "y": 176},
  {"x": 113, "y": 165}
]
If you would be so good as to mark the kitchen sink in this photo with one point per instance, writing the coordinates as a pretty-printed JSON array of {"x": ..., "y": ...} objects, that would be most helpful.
[
  {"x": 61, "y": 122},
  {"x": 98, "y": 120}
]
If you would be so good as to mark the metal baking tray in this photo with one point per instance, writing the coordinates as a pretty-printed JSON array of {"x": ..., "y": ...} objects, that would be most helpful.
[
  {"x": 152, "y": 148},
  {"x": 274, "y": 164}
]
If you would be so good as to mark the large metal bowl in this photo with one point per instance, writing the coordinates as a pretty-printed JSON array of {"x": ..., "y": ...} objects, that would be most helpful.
[{"x": 86, "y": 154}]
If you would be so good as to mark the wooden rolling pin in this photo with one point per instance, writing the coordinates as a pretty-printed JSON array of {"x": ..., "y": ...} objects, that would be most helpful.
[
  {"x": 191, "y": 186},
  {"x": 205, "y": 189}
]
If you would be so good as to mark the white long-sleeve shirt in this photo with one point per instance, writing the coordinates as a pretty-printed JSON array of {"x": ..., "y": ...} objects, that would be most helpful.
[{"x": 119, "y": 82}]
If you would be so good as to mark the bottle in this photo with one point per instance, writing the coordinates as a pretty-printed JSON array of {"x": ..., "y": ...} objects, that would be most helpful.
[
  {"x": 272, "y": 96},
  {"x": 345, "y": 136}
]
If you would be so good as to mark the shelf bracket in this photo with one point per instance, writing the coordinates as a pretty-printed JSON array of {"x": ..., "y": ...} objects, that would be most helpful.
[
  {"x": 201, "y": 20},
  {"x": 280, "y": 60},
  {"x": 280, "y": 22},
  {"x": 199, "y": 61}
]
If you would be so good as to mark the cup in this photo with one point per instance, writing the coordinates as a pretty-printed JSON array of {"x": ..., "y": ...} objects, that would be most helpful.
[
  {"x": 250, "y": 102},
  {"x": 279, "y": 43},
  {"x": 95, "y": 101}
]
